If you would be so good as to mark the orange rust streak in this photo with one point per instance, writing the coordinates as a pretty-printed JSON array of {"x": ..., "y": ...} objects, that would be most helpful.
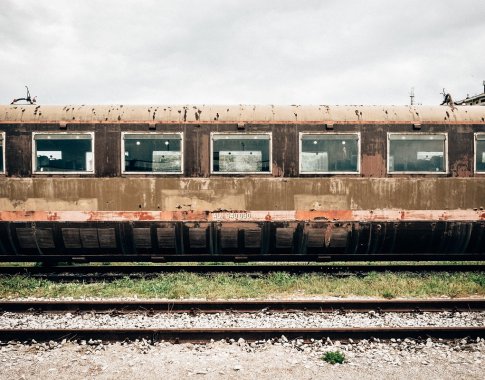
[
  {"x": 246, "y": 216},
  {"x": 330, "y": 215},
  {"x": 28, "y": 216}
]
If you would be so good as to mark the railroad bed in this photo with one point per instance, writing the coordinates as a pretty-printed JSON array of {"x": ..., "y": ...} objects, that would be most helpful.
[{"x": 252, "y": 321}]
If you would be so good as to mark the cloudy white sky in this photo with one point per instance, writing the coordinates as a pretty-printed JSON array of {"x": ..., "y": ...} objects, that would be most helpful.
[{"x": 253, "y": 52}]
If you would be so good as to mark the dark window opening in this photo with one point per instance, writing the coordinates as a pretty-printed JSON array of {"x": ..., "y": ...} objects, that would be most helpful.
[
  {"x": 63, "y": 153},
  {"x": 329, "y": 153},
  {"x": 152, "y": 153},
  {"x": 417, "y": 153},
  {"x": 241, "y": 153}
]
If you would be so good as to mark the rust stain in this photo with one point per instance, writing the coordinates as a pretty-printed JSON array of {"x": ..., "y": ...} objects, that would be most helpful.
[
  {"x": 53, "y": 216},
  {"x": 462, "y": 167},
  {"x": 144, "y": 216},
  {"x": 373, "y": 165},
  {"x": 222, "y": 122},
  {"x": 325, "y": 215},
  {"x": 387, "y": 115},
  {"x": 243, "y": 216},
  {"x": 328, "y": 234},
  {"x": 276, "y": 170}
]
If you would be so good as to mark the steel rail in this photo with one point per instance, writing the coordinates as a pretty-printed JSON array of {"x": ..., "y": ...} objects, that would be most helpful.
[
  {"x": 252, "y": 306},
  {"x": 204, "y": 335},
  {"x": 243, "y": 258}
]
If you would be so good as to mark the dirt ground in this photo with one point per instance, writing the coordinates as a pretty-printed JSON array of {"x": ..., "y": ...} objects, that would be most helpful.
[{"x": 220, "y": 360}]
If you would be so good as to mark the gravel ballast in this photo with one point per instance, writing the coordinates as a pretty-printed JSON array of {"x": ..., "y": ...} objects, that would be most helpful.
[
  {"x": 239, "y": 320},
  {"x": 280, "y": 358}
]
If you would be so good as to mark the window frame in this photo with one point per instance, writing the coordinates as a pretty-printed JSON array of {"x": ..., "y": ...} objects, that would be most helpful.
[
  {"x": 475, "y": 140},
  {"x": 300, "y": 146},
  {"x": 243, "y": 134},
  {"x": 34, "y": 153},
  {"x": 445, "y": 153},
  {"x": 182, "y": 143},
  {"x": 3, "y": 136}
]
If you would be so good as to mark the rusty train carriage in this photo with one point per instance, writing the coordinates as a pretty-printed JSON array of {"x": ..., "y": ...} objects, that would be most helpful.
[{"x": 279, "y": 197}]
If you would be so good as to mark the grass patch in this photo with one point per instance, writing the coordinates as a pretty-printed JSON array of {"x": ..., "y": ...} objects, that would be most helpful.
[
  {"x": 278, "y": 284},
  {"x": 333, "y": 357},
  {"x": 388, "y": 295}
]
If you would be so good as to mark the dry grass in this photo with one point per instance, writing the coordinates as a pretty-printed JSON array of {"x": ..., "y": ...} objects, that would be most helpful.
[{"x": 278, "y": 284}]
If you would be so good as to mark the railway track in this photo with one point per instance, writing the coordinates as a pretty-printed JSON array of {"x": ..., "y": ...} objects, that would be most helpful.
[
  {"x": 275, "y": 306},
  {"x": 107, "y": 273},
  {"x": 202, "y": 335}
]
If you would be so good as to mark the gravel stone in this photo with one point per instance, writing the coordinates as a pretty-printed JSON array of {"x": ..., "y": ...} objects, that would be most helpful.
[
  {"x": 266, "y": 360},
  {"x": 237, "y": 358}
]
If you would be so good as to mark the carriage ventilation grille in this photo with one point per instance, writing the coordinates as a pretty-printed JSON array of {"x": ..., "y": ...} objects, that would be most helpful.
[
  {"x": 35, "y": 238},
  {"x": 264, "y": 238}
]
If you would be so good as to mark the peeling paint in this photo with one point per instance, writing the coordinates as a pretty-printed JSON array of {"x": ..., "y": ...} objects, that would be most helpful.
[
  {"x": 126, "y": 194},
  {"x": 244, "y": 216},
  {"x": 249, "y": 113}
]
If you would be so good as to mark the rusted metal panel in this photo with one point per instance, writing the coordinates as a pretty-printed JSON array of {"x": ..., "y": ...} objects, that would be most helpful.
[
  {"x": 460, "y": 153},
  {"x": 198, "y": 234},
  {"x": 318, "y": 236},
  {"x": 142, "y": 237},
  {"x": 228, "y": 237},
  {"x": 197, "y": 237},
  {"x": 201, "y": 194},
  {"x": 284, "y": 237},
  {"x": 216, "y": 114},
  {"x": 71, "y": 237},
  {"x": 166, "y": 237},
  {"x": 252, "y": 237},
  {"x": 108, "y": 144},
  {"x": 18, "y": 150},
  {"x": 89, "y": 237},
  {"x": 373, "y": 165}
]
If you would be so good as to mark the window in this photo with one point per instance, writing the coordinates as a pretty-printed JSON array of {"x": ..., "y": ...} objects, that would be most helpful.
[
  {"x": 480, "y": 152},
  {"x": 417, "y": 153},
  {"x": 152, "y": 153},
  {"x": 241, "y": 153},
  {"x": 329, "y": 153},
  {"x": 2, "y": 152},
  {"x": 63, "y": 152}
]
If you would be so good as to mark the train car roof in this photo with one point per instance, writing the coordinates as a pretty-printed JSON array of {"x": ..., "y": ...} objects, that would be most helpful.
[{"x": 257, "y": 114}]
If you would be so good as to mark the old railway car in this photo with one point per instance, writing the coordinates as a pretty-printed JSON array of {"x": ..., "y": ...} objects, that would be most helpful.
[{"x": 224, "y": 183}]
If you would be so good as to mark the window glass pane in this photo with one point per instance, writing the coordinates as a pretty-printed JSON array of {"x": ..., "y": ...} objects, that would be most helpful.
[
  {"x": 153, "y": 153},
  {"x": 64, "y": 153},
  {"x": 480, "y": 153},
  {"x": 329, "y": 153},
  {"x": 241, "y": 153},
  {"x": 417, "y": 153},
  {"x": 1, "y": 153}
]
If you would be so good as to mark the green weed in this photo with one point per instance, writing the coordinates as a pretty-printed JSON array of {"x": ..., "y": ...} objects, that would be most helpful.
[{"x": 334, "y": 357}]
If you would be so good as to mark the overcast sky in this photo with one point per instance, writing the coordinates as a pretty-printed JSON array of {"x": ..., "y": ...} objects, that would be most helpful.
[{"x": 231, "y": 52}]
